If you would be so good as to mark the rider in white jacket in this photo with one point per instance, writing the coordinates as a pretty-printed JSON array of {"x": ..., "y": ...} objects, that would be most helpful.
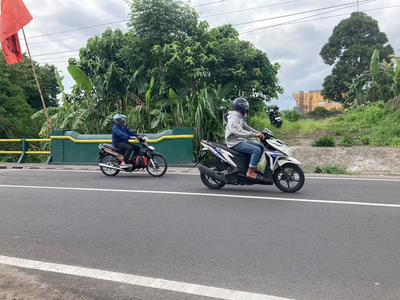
[{"x": 237, "y": 134}]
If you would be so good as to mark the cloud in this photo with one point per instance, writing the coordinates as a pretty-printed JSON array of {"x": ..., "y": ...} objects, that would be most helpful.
[{"x": 295, "y": 46}]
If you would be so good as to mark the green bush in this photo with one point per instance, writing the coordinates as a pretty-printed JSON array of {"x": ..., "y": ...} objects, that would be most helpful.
[
  {"x": 325, "y": 141},
  {"x": 347, "y": 141},
  {"x": 365, "y": 140},
  {"x": 290, "y": 115},
  {"x": 331, "y": 169}
]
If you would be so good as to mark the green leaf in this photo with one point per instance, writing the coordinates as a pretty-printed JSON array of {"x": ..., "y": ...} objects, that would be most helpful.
[
  {"x": 59, "y": 79},
  {"x": 141, "y": 83},
  {"x": 225, "y": 90},
  {"x": 374, "y": 66},
  {"x": 80, "y": 78}
]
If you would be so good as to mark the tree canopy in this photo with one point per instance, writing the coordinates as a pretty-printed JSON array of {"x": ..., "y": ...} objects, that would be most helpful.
[
  {"x": 349, "y": 49},
  {"x": 19, "y": 96},
  {"x": 170, "y": 69}
]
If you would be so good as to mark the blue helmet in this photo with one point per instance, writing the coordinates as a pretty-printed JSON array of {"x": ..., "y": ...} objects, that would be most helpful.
[
  {"x": 120, "y": 119},
  {"x": 241, "y": 104}
]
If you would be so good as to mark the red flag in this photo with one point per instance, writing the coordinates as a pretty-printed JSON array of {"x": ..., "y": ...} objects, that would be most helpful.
[
  {"x": 14, "y": 16},
  {"x": 12, "y": 49}
]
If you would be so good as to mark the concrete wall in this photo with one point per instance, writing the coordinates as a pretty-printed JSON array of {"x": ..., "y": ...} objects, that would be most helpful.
[{"x": 70, "y": 147}]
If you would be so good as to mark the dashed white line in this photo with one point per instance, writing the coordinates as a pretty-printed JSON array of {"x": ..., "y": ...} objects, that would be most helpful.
[
  {"x": 148, "y": 282},
  {"x": 200, "y": 195}
]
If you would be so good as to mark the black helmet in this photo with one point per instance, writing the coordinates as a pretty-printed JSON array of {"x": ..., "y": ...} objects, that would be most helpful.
[
  {"x": 241, "y": 104},
  {"x": 120, "y": 119}
]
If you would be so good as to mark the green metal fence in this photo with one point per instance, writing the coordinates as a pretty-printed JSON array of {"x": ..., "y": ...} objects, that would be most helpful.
[{"x": 25, "y": 144}]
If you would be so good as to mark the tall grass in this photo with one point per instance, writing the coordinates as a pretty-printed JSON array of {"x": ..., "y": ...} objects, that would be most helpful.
[{"x": 376, "y": 125}]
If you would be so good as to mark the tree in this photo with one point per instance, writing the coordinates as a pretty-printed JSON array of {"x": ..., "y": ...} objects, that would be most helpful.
[
  {"x": 380, "y": 83},
  {"x": 349, "y": 49},
  {"x": 21, "y": 74},
  {"x": 14, "y": 111}
]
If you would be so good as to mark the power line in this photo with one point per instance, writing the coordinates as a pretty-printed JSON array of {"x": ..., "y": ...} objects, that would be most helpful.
[
  {"x": 303, "y": 21},
  {"x": 45, "y": 54},
  {"x": 262, "y": 6},
  {"x": 70, "y": 38},
  {"x": 77, "y": 29},
  {"x": 295, "y": 14},
  {"x": 206, "y": 4},
  {"x": 297, "y": 20}
]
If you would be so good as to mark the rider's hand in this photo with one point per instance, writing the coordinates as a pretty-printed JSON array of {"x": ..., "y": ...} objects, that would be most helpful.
[
  {"x": 260, "y": 135},
  {"x": 134, "y": 138}
]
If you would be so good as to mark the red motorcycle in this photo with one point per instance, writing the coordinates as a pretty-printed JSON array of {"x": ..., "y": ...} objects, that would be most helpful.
[{"x": 111, "y": 158}]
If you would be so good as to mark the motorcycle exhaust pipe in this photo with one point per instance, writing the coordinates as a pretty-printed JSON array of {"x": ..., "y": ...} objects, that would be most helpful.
[
  {"x": 213, "y": 174},
  {"x": 109, "y": 167}
]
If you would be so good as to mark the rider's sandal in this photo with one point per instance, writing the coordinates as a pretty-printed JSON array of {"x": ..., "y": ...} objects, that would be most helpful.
[{"x": 258, "y": 177}]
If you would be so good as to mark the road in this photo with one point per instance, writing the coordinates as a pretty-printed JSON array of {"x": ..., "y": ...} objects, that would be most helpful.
[{"x": 137, "y": 237}]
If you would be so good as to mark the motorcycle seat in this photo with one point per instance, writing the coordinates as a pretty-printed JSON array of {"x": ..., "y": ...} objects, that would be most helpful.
[
  {"x": 111, "y": 147},
  {"x": 225, "y": 147}
]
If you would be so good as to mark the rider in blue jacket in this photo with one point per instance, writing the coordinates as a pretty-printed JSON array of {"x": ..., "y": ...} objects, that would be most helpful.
[{"x": 120, "y": 139}]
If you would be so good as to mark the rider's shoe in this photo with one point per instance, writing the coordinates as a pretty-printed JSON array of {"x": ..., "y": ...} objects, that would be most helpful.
[{"x": 124, "y": 165}]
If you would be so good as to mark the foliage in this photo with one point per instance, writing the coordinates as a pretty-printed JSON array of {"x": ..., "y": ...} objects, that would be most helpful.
[
  {"x": 346, "y": 141},
  {"x": 332, "y": 169},
  {"x": 14, "y": 109},
  {"x": 380, "y": 83},
  {"x": 349, "y": 49},
  {"x": 168, "y": 70},
  {"x": 290, "y": 115},
  {"x": 21, "y": 75},
  {"x": 325, "y": 141}
]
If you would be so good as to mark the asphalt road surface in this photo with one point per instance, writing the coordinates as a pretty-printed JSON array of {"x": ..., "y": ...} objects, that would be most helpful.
[{"x": 82, "y": 235}]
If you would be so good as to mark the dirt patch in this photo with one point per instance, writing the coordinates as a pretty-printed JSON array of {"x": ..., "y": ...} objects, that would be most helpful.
[
  {"x": 16, "y": 285},
  {"x": 360, "y": 159}
]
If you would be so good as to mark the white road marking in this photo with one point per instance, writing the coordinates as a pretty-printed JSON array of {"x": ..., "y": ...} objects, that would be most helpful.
[
  {"x": 197, "y": 174},
  {"x": 199, "y": 195},
  {"x": 149, "y": 282}
]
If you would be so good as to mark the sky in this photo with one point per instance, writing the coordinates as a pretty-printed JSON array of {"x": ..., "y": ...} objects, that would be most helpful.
[{"x": 290, "y": 32}]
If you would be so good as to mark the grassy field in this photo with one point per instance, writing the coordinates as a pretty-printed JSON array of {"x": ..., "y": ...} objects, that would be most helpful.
[{"x": 376, "y": 125}]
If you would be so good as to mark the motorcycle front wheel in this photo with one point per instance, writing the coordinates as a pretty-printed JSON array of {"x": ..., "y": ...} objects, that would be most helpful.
[
  {"x": 289, "y": 178},
  {"x": 157, "y": 165}
]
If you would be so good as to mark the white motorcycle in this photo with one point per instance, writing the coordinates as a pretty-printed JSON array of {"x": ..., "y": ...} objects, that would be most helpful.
[{"x": 231, "y": 166}]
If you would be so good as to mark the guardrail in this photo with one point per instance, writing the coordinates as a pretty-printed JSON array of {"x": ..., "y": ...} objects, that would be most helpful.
[
  {"x": 70, "y": 147},
  {"x": 25, "y": 148}
]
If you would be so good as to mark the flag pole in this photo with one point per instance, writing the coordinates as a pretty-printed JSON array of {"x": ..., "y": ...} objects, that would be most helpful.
[{"x": 37, "y": 82}]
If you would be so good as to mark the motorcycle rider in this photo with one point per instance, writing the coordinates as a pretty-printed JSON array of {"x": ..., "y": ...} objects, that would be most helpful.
[
  {"x": 120, "y": 139},
  {"x": 237, "y": 134}
]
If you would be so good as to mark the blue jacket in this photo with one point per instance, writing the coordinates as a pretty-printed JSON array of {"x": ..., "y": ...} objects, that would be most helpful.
[{"x": 121, "y": 134}]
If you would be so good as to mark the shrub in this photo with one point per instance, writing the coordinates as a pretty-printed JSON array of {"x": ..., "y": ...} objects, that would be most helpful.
[
  {"x": 347, "y": 141},
  {"x": 290, "y": 115},
  {"x": 325, "y": 141},
  {"x": 365, "y": 140},
  {"x": 331, "y": 169}
]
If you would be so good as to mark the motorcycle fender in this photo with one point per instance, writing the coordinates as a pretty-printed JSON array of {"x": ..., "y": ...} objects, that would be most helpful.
[
  {"x": 150, "y": 154},
  {"x": 100, "y": 154},
  {"x": 287, "y": 160}
]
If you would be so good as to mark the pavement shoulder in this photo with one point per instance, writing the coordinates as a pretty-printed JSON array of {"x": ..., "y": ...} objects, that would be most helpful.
[{"x": 187, "y": 170}]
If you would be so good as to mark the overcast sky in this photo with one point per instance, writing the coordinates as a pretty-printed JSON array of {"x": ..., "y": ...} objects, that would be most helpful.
[{"x": 295, "y": 46}]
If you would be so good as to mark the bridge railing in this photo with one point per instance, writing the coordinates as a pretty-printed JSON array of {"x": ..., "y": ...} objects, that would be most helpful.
[{"x": 25, "y": 144}]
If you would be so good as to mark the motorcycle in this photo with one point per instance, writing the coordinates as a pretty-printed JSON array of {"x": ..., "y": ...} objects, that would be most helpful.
[
  {"x": 231, "y": 167},
  {"x": 275, "y": 118},
  {"x": 111, "y": 158}
]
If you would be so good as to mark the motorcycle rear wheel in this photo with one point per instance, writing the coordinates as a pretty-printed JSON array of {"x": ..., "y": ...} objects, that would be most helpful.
[
  {"x": 208, "y": 181},
  {"x": 287, "y": 174},
  {"x": 112, "y": 161}
]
